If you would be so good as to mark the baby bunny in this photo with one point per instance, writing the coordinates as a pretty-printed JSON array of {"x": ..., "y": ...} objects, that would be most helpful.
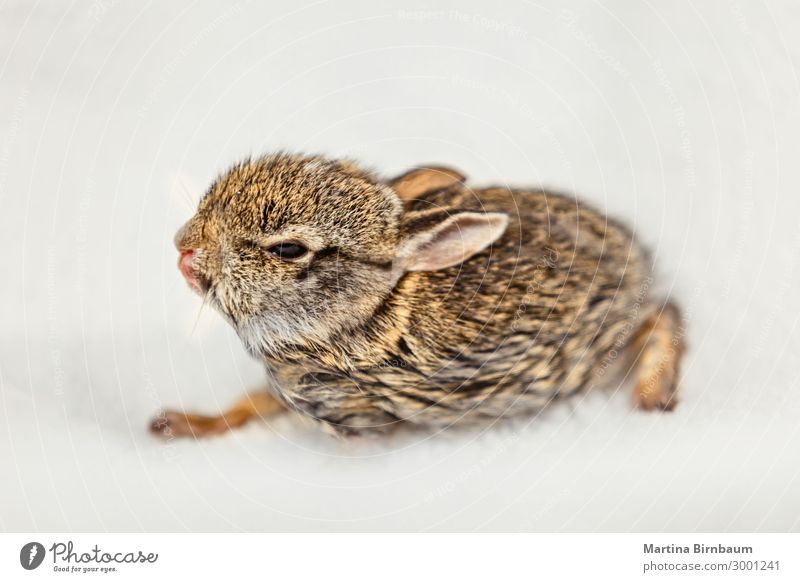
[{"x": 419, "y": 300}]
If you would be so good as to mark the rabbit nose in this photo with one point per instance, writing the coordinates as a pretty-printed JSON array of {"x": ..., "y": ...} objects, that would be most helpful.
[{"x": 186, "y": 266}]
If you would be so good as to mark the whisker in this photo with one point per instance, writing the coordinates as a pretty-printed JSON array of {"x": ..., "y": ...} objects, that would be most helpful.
[
  {"x": 206, "y": 298},
  {"x": 188, "y": 194}
]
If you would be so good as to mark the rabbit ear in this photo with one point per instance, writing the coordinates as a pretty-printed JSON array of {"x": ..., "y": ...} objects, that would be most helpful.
[
  {"x": 419, "y": 181},
  {"x": 438, "y": 239}
]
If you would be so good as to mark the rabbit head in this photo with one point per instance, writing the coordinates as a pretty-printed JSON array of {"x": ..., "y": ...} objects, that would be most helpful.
[{"x": 293, "y": 250}]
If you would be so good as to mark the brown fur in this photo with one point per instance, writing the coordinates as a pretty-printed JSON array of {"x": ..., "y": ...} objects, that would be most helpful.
[{"x": 358, "y": 340}]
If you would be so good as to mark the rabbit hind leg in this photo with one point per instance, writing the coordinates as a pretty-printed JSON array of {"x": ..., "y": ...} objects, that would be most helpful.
[{"x": 658, "y": 347}]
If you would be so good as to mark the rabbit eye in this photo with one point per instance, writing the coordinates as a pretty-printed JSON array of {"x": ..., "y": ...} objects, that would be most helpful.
[{"x": 288, "y": 251}]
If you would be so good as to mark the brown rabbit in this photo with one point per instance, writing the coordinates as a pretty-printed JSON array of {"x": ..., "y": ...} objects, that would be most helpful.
[{"x": 419, "y": 300}]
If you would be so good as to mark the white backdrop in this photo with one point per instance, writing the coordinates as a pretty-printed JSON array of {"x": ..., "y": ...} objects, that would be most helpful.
[{"x": 681, "y": 118}]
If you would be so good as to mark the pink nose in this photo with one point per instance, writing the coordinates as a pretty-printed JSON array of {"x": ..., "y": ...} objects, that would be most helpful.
[{"x": 186, "y": 266}]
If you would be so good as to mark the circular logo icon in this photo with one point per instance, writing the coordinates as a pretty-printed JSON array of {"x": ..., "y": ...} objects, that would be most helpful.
[{"x": 31, "y": 555}]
